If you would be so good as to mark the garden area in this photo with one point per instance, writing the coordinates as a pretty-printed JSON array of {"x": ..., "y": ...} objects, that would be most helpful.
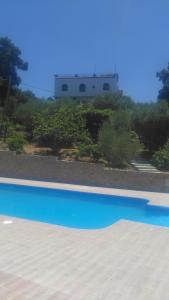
[{"x": 112, "y": 129}]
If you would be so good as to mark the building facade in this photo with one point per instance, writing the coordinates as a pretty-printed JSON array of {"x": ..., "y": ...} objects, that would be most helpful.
[{"x": 85, "y": 85}]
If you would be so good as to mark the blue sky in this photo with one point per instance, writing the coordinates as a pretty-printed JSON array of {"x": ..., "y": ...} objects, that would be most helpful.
[{"x": 86, "y": 36}]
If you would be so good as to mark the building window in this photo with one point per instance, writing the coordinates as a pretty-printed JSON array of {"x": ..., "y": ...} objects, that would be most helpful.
[
  {"x": 106, "y": 86},
  {"x": 82, "y": 88},
  {"x": 64, "y": 87}
]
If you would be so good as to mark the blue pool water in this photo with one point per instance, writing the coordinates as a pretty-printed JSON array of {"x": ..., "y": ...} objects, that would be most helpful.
[{"x": 76, "y": 209}]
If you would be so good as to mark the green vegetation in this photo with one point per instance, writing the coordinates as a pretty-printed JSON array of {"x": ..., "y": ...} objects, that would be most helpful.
[
  {"x": 10, "y": 62},
  {"x": 163, "y": 76},
  {"x": 160, "y": 158},
  {"x": 112, "y": 129},
  {"x": 16, "y": 142},
  {"x": 118, "y": 143},
  {"x": 90, "y": 150},
  {"x": 151, "y": 122},
  {"x": 61, "y": 128}
]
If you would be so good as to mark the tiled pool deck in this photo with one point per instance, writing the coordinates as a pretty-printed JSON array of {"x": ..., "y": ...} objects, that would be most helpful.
[{"x": 126, "y": 261}]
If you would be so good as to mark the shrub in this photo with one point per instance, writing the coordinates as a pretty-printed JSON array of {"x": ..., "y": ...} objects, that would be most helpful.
[
  {"x": 16, "y": 142},
  {"x": 118, "y": 146},
  {"x": 84, "y": 139},
  {"x": 8, "y": 127},
  {"x": 113, "y": 101},
  {"x": 91, "y": 150},
  {"x": 121, "y": 120},
  {"x": 160, "y": 158},
  {"x": 94, "y": 120},
  {"x": 151, "y": 122},
  {"x": 62, "y": 129},
  {"x": 167, "y": 145}
]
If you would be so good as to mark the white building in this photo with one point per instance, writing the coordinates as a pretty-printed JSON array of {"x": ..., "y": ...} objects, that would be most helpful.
[{"x": 85, "y": 85}]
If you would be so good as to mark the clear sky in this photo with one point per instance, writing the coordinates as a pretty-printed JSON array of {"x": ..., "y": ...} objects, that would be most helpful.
[{"x": 86, "y": 36}]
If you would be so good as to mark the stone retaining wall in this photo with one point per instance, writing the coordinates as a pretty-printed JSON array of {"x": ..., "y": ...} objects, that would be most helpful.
[{"x": 48, "y": 168}]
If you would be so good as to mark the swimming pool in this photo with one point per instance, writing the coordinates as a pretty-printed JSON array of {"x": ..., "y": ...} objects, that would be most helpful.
[{"x": 77, "y": 209}]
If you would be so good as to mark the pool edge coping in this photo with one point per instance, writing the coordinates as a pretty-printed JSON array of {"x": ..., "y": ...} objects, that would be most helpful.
[{"x": 154, "y": 198}]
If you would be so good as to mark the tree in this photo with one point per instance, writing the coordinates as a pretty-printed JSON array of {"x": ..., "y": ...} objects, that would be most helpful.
[
  {"x": 16, "y": 142},
  {"x": 161, "y": 158},
  {"x": 109, "y": 101},
  {"x": 118, "y": 146},
  {"x": 62, "y": 129},
  {"x": 151, "y": 123},
  {"x": 24, "y": 96},
  {"x": 113, "y": 101},
  {"x": 94, "y": 120},
  {"x": 163, "y": 76},
  {"x": 10, "y": 63},
  {"x": 26, "y": 112},
  {"x": 121, "y": 120}
]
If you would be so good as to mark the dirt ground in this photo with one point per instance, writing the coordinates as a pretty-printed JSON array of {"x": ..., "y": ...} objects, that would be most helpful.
[{"x": 35, "y": 149}]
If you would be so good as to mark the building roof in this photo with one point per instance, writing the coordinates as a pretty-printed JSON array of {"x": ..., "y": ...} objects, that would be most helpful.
[{"x": 80, "y": 76}]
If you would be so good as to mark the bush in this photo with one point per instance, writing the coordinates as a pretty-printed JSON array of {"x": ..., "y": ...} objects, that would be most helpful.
[
  {"x": 113, "y": 101},
  {"x": 62, "y": 129},
  {"x": 121, "y": 120},
  {"x": 84, "y": 139},
  {"x": 94, "y": 120},
  {"x": 160, "y": 158},
  {"x": 26, "y": 112},
  {"x": 91, "y": 151},
  {"x": 8, "y": 128},
  {"x": 151, "y": 122},
  {"x": 16, "y": 142},
  {"x": 118, "y": 146}
]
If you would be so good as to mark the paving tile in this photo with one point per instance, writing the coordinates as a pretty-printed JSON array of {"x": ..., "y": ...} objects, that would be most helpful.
[{"x": 125, "y": 261}]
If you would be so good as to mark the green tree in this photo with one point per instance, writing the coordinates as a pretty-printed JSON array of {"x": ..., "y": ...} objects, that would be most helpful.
[
  {"x": 163, "y": 76},
  {"x": 16, "y": 142},
  {"x": 113, "y": 101},
  {"x": 5, "y": 127},
  {"x": 160, "y": 158},
  {"x": 118, "y": 146},
  {"x": 121, "y": 120},
  {"x": 10, "y": 63},
  {"x": 62, "y": 129},
  {"x": 94, "y": 119},
  {"x": 151, "y": 122},
  {"x": 24, "y": 96},
  {"x": 26, "y": 112}
]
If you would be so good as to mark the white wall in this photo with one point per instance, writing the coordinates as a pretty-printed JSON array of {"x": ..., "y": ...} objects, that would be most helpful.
[{"x": 94, "y": 86}]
